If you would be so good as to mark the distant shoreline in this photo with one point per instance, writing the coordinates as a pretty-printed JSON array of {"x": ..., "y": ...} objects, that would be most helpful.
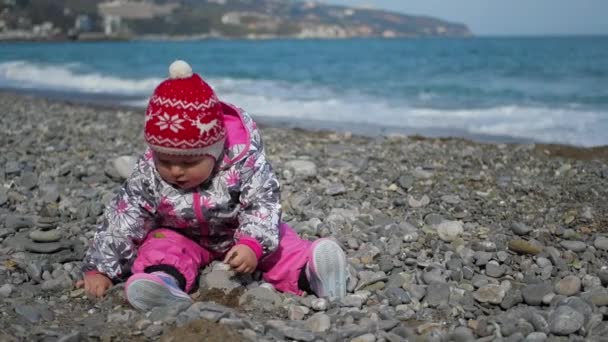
[{"x": 164, "y": 38}]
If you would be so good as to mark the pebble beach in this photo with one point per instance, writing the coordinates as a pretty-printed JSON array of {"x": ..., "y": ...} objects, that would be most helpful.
[{"x": 447, "y": 239}]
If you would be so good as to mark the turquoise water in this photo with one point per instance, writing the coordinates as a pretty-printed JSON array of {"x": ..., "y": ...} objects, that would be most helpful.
[{"x": 542, "y": 89}]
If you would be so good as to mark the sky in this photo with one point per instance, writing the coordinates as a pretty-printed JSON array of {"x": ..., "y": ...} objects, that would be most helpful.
[{"x": 506, "y": 17}]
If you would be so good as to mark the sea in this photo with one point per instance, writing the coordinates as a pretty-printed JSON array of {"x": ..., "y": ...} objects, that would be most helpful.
[{"x": 497, "y": 89}]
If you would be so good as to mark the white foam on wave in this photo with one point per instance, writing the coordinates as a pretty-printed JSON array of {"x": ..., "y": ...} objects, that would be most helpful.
[
  {"x": 562, "y": 125},
  {"x": 306, "y": 101},
  {"x": 65, "y": 77}
]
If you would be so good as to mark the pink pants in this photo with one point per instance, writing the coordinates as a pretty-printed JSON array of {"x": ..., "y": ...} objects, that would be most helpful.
[{"x": 281, "y": 268}]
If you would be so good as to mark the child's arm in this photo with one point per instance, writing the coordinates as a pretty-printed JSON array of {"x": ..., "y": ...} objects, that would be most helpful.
[
  {"x": 126, "y": 222},
  {"x": 260, "y": 202}
]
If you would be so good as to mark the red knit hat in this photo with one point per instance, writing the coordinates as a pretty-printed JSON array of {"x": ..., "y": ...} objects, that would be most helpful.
[{"x": 184, "y": 117}]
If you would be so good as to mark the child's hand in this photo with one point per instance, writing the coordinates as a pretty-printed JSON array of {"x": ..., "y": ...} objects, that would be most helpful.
[
  {"x": 95, "y": 284},
  {"x": 242, "y": 259}
]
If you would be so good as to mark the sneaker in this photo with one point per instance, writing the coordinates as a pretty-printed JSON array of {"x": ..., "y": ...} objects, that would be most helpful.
[
  {"x": 146, "y": 291},
  {"x": 326, "y": 269}
]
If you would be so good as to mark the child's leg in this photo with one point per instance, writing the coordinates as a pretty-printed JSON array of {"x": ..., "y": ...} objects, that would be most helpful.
[
  {"x": 166, "y": 268},
  {"x": 282, "y": 268},
  {"x": 323, "y": 262}
]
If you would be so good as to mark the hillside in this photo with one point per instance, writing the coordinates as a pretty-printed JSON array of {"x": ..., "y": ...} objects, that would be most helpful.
[{"x": 222, "y": 18}]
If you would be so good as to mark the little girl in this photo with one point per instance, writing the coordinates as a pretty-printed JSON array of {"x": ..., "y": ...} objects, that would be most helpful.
[{"x": 202, "y": 191}]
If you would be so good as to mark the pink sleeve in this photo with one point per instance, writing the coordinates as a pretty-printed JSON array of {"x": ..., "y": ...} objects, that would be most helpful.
[{"x": 252, "y": 243}]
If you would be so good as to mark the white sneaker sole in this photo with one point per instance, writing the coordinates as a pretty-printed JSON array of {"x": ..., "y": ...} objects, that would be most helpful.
[
  {"x": 328, "y": 278},
  {"x": 145, "y": 294}
]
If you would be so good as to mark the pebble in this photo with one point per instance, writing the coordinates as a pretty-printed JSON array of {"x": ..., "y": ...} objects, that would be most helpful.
[
  {"x": 124, "y": 166},
  {"x": 568, "y": 286},
  {"x": 601, "y": 242},
  {"x": 6, "y": 290},
  {"x": 46, "y": 248},
  {"x": 45, "y": 236},
  {"x": 450, "y": 230},
  {"x": 524, "y": 247},
  {"x": 418, "y": 203},
  {"x": 302, "y": 168},
  {"x": 475, "y": 243},
  {"x": 318, "y": 322},
  {"x": 520, "y": 228},
  {"x": 491, "y": 293},
  {"x": 575, "y": 246},
  {"x": 565, "y": 320}
]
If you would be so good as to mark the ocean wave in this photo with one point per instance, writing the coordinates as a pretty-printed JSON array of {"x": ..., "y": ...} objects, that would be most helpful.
[
  {"x": 284, "y": 100},
  {"x": 66, "y": 77}
]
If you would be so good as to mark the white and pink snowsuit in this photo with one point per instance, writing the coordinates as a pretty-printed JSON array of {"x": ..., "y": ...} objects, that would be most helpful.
[{"x": 151, "y": 225}]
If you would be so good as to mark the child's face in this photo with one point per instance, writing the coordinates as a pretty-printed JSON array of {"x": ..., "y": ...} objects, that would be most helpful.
[{"x": 184, "y": 172}]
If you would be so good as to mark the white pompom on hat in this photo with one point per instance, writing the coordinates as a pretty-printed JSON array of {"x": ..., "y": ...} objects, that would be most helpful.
[{"x": 179, "y": 69}]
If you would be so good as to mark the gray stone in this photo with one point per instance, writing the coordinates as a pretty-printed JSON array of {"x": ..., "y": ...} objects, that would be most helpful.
[
  {"x": 45, "y": 236},
  {"x": 318, "y": 322},
  {"x": 461, "y": 334},
  {"x": 433, "y": 219},
  {"x": 524, "y": 247},
  {"x": 221, "y": 279},
  {"x": 34, "y": 313},
  {"x": 536, "y": 337},
  {"x": 297, "y": 312},
  {"x": 6, "y": 290},
  {"x": 416, "y": 291},
  {"x": 302, "y": 168},
  {"x": 364, "y": 338},
  {"x": 396, "y": 296},
  {"x": 433, "y": 274},
  {"x": 601, "y": 242},
  {"x": 533, "y": 294},
  {"x": 415, "y": 203},
  {"x": 512, "y": 298},
  {"x": 490, "y": 293},
  {"x": 124, "y": 166},
  {"x": 28, "y": 180},
  {"x": 153, "y": 330},
  {"x": 261, "y": 297},
  {"x": 45, "y": 248},
  {"x": 18, "y": 221},
  {"x": 568, "y": 286},
  {"x": 565, "y": 320},
  {"x": 438, "y": 294},
  {"x": 406, "y": 182},
  {"x": 74, "y": 336},
  {"x": 335, "y": 189},
  {"x": 603, "y": 275},
  {"x": 352, "y": 301},
  {"x": 482, "y": 258},
  {"x": 575, "y": 246},
  {"x": 11, "y": 167},
  {"x": 543, "y": 262},
  {"x": 494, "y": 269},
  {"x": 451, "y": 199},
  {"x": 520, "y": 228},
  {"x": 57, "y": 284},
  {"x": 369, "y": 277},
  {"x": 121, "y": 316},
  {"x": 289, "y": 332},
  {"x": 450, "y": 230},
  {"x": 3, "y": 196},
  {"x": 319, "y": 304},
  {"x": 50, "y": 193}
]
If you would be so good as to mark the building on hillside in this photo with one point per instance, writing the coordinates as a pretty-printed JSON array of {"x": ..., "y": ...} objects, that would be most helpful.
[
  {"x": 113, "y": 13},
  {"x": 83, "y": 23}
]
